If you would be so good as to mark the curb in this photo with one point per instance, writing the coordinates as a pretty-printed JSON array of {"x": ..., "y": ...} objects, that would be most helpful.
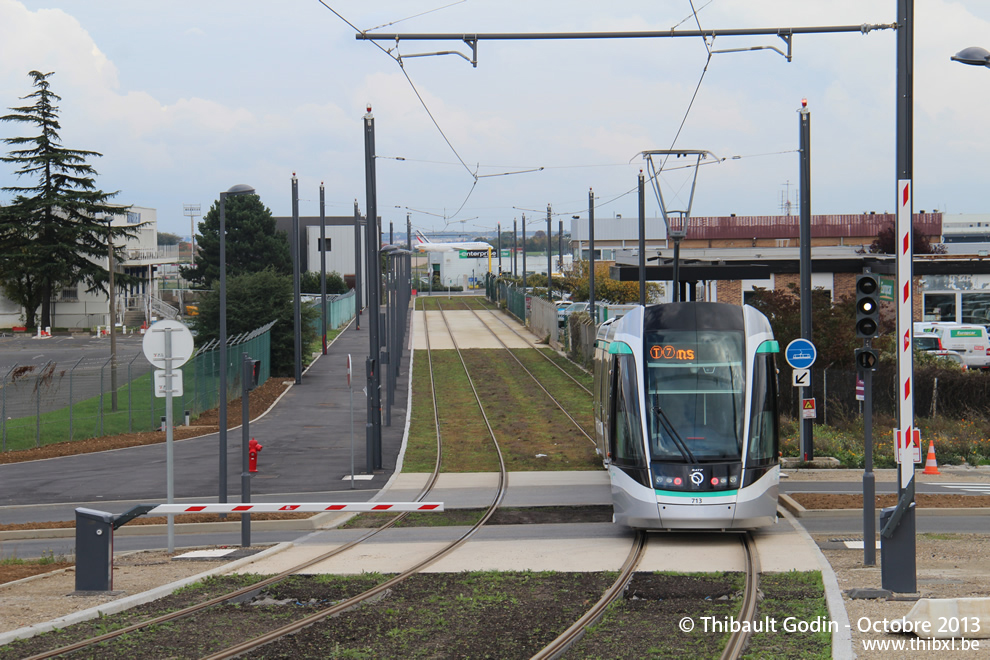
[
  {"x": 799, "y": 511},
  {"x": 131, "y": 601},
  {"x": 842, "y": 648}
]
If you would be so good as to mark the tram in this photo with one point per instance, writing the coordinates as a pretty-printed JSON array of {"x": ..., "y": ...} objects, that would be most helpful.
[{"x": 685, "y": 404}]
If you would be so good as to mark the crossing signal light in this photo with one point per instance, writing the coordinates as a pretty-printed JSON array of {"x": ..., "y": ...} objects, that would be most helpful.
[
  {"x": 255, "y": 373},
  {"x": 867, "y": 306},
  {"x": 866, "y": 359}
]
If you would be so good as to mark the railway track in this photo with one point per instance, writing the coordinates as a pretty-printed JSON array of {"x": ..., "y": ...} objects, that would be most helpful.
[
  {"x": 542, "y": 354},
  {"x": 737, "y": 641},
  {"x": 573, "y": 634},
  {"x": 554, "y": 650},
  {"x": 262, "y": 640},
  {"x": 536, "y": 380},
  {"x": 258, "y": 642}
]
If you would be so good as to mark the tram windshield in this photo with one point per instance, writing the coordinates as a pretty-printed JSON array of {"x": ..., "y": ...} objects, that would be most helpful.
[{"x": 695, "y": 394}]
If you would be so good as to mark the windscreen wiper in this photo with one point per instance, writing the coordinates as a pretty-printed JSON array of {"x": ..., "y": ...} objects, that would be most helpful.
[{"x": 675, "y": 436}]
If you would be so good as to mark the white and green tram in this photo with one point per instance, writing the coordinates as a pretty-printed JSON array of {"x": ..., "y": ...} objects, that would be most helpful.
[{"x": 686, "y": 416}]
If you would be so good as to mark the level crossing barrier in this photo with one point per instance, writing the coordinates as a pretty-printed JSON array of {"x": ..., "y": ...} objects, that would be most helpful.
[{"x": 94, "y": 529}]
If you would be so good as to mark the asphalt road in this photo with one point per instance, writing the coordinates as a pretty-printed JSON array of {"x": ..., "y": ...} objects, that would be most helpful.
[
  {"x": 306, "y": 440},
  {"x": 64, "y": 350}
]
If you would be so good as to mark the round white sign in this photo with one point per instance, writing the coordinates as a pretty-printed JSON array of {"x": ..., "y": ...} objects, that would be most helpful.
[{"x": 153, "y": 345}]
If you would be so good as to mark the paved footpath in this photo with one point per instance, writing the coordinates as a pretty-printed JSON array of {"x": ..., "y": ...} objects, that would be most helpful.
[{"x": 306, "y": 439}]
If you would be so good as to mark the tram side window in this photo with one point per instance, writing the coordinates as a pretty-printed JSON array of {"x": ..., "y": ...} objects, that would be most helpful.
[
  {"x": 625, "y": 430},
  {"x": 763, "y": 432}
]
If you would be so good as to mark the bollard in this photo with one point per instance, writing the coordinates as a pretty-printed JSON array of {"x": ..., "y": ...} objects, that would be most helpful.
[{"x": 186, "y": 420}]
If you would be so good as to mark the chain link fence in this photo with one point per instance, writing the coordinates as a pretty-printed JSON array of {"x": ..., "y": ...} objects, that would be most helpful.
[
  {"x": 92, "y": 397},
  {"x": 340, "y": 310}
]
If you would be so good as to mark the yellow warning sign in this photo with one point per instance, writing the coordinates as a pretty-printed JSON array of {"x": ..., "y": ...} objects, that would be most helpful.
[{"x": 808, "y": 409}]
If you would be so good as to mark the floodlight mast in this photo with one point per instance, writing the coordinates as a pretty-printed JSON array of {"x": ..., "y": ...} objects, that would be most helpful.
[{"x": 677, "y": 225}]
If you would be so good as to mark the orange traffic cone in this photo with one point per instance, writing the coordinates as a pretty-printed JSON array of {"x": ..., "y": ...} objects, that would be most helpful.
[{"x": 931, "y": 466}]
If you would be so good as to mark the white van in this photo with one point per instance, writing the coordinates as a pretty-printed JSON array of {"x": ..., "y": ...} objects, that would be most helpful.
[{"x": 970, "y": 341}]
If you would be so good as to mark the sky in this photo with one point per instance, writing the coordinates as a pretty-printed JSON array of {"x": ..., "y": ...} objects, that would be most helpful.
[{"x": 187, "y": 98}]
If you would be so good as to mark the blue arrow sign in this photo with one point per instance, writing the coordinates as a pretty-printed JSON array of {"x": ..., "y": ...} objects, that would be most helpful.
[{"x": 800, "y": 354}]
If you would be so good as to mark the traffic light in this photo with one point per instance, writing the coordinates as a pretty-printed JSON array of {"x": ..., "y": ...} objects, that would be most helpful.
[
  {"x": 255, "y": 373},
  {"x": 867, "y": 306},
  {"x": 866, "y": 359}
]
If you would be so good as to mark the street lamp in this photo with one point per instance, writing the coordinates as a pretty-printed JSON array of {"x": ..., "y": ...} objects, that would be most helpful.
[
  {"x": 974, "y": 56},
  {"x": 239, "y": 189}
]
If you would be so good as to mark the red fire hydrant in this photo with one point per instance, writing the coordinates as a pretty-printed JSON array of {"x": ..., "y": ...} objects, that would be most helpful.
[{"x": 253, "y": 448}]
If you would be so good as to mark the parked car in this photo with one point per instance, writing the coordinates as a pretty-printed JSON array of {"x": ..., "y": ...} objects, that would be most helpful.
[
  {"x": 969, "y": 341},
  {"x": 932, "y": 344}
]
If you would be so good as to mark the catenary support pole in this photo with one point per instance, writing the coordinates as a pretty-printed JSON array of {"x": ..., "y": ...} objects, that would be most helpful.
[
  {"x": 807, "y": 392},
  {"x": 374, "y": 424},
  {"x": 323, "y": 265},
  {"x": 515, "y": 247},
  {"x": 358, "y": 297},
  {"x": 901, "y": 575},
  {"x": 549, "y": 258},
  {"x": 591, "y": 254},
  {"x": 296, "y": 309},
  {"x": 642, "y": 239}
]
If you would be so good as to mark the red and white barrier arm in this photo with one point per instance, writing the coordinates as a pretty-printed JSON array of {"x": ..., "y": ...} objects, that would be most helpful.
[{"x": 306, "y": 507}]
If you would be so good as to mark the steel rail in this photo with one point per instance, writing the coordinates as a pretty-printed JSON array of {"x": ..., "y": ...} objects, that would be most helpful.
[
  {"x": 539, "y": 352},
  {"x": 305, "y": 622},
  {"x": 223, "y": 598},
  {"x": 569, "y": 637},
  {"x": 737, "y": 640},
  {"x": 533, "y": 376}
]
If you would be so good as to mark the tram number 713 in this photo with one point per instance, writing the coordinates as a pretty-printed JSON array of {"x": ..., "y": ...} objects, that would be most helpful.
[{"x": 695, "y": 500}]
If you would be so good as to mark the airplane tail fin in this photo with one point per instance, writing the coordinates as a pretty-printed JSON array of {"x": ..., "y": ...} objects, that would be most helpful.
[{"x": 421, "y": 238}]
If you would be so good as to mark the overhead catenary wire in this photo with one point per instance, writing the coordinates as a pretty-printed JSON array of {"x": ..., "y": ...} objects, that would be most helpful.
[
  {"x": 397, "y": 58},
  {"x": 422, "y": 13}
]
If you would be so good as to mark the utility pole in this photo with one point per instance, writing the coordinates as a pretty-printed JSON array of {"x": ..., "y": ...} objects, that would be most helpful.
[
  {"x": 524, "y": 251},
  {"x": 192, "y": 211},
  {"x": 642, "y": 239},
  {"x": 549, "y": 259},
  {"x": 374, "y": 284},
  {"x": 591, "y": 253},
  {"x": 323, "y": 267},
  {"x": 898, "y": 552},
  {"x": 515, "y": 248},
  {"x": 358, "y": 298},
  {"x": 808, "y": 391},
  {"x": 560, "y": 248},
  {"x": 499, "y": 248},
  {"x": 296, "y": 308},
  {"x": 113, "y": 319}
]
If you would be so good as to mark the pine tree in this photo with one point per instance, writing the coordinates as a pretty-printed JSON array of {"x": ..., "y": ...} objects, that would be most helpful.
[
  {"x": 55, "y": 233},
  {"x": 253, "y": 243}
]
